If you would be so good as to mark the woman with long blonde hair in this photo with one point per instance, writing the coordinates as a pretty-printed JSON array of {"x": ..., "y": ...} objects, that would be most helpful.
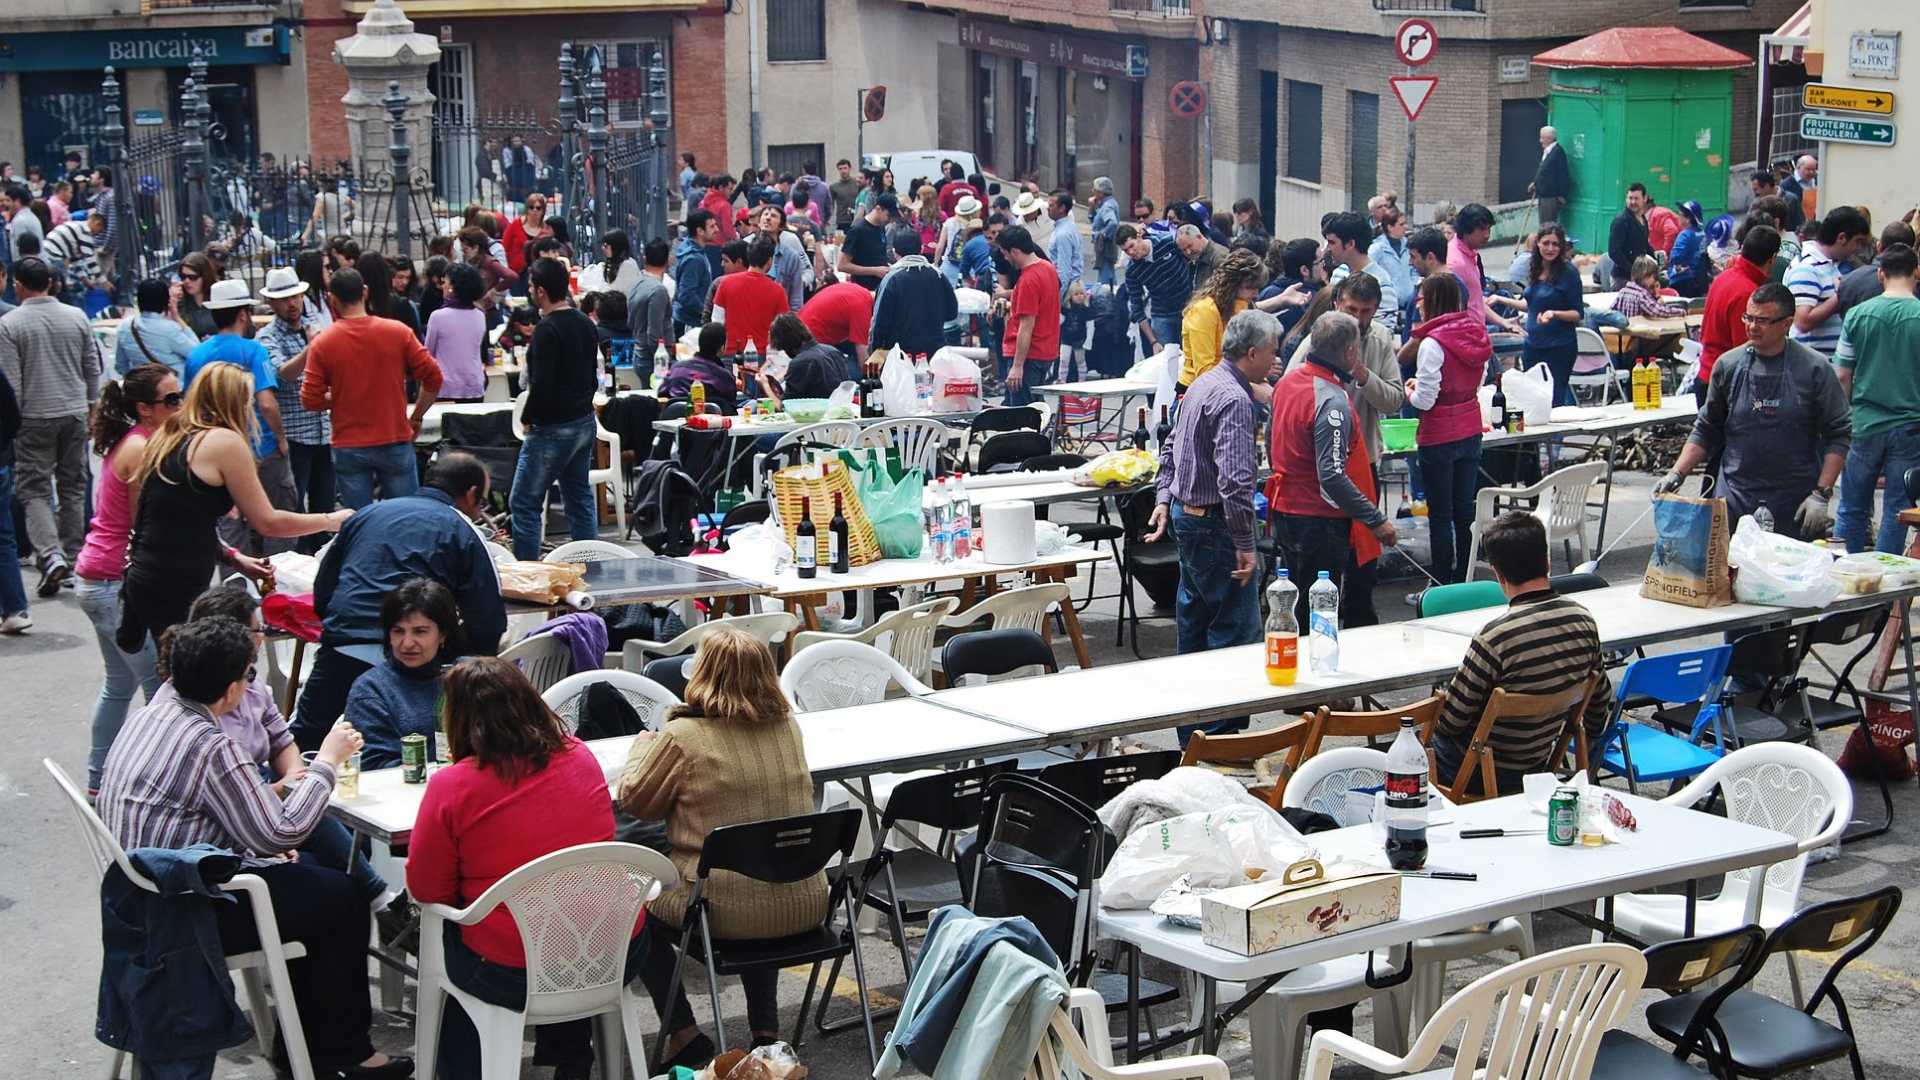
[
  {"x": 1233, "y": 286},
  {"x": 731, "y": 754},
  {"x": 197, "y": 467}
]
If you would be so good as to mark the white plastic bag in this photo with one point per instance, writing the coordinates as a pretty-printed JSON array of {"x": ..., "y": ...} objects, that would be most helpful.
[
  {"x": 956, "y": 382},
  {"x": 896, "y": 385},
  {"x": 293, "y": 572},
  {"x": 1779, "y": 570},
  {"x": 843, "y": 403},
  {"x": 972, "y": 301},
  {"x": 1171, "y": 358},
  {"x": 1530, "y": 391},
  {"x": 1148, "y": 370},
  {"x": 1216, "y": 850}
]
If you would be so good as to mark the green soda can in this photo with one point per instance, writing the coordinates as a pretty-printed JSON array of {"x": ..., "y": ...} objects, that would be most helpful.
[
  {"x": 1563, "y": 816},
  {"x": 413, "y": 759}
]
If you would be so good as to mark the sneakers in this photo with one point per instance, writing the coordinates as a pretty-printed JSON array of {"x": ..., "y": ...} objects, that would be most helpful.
[
  {"x": 52, "y": 575},
  {"x": 17, "y": 623}
]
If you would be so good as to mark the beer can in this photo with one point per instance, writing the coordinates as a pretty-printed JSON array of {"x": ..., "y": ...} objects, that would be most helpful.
[
  {"x": 1563, "y": 817},
  {"x": 413, "y": 759}
]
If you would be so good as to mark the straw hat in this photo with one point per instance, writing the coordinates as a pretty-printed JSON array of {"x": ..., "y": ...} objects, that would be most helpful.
[
  {"x": 967, "y": 210},
  {"x": 228, "y": 293},
  {"x": 1028, "y": 205},
  {"x": 281, "y": 283}
]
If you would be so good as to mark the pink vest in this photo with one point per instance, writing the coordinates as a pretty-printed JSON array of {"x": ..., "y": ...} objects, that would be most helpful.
[{"x": 1455, "y": 412}]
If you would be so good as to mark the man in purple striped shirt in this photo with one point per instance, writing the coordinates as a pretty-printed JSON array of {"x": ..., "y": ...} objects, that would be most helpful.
[
  {"x": 174, "y": 779},
  {"x": 1205, "y": 492}
]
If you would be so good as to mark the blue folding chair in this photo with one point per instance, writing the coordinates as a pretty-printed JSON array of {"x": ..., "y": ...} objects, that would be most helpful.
[{"x": 1642, "y": 752}]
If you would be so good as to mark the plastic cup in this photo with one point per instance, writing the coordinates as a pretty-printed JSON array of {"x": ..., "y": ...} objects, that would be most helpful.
[{"x": 346, "y": 779}]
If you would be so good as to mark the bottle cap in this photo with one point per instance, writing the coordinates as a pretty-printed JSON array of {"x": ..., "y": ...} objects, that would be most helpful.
[
  {"x": 1281, "y": 573},
  {"x": 1324, "y": 575}
]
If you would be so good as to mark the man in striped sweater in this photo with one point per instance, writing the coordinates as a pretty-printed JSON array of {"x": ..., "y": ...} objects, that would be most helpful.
[{"x": 1544, "y": 644}]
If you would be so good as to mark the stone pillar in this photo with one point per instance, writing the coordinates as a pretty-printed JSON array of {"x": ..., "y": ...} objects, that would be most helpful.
[{"x": 384, "y": 49}]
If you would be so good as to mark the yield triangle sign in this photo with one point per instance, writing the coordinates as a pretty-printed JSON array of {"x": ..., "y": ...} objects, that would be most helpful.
[{"x": 1413, "y": 92}]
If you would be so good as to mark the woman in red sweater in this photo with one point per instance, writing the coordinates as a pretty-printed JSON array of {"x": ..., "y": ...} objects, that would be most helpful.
[
  {"x": 519, "y": 787},
  {"x": 531, "y": 225}
]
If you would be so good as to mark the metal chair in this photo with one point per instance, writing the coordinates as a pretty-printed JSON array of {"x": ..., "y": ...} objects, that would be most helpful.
[
  {"x": 990, "y": 653},
  {"x": 1642, "y": 752},
  {"x": 575, "y": 909},
  {"x": 1559, "y": 501},
  {"x": 999, "y": 420},
  {"x": 1006, "y": 452},
  {"x": 1845, "y": 628},
  {"x": 543, "y": 658},
  {"x": 1766, "y": 662},
  {"x": 1158, "y": 561},
  {"x": 567, "y": 698},
  {"x": 1593, "y": 367},
  {"x": 1095, "y": 780},
  {"x": 272, "y": 956},
  {"x": 1674, "y": 969}
]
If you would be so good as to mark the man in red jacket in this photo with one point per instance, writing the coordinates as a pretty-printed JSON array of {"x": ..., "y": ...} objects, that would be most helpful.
[
  {"x": 719, "y": 203},
  {"x": 1720, "y": 326}
]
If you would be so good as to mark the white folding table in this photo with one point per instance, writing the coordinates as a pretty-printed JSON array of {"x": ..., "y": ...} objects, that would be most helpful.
[
  {"x": 1120, "y": 389},
  {"x": 1626, "y": 619},
  {"x": 1520, "y": 875}
]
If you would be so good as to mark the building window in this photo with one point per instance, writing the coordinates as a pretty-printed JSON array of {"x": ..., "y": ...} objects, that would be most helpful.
[
  {"x": 1303, "y": 131},
  {"x": 792, "y": 159},
  {"x": 625, "y": 64},
  {"x": 796, "y": 30},
  {"x": 1363, "y": 148}
]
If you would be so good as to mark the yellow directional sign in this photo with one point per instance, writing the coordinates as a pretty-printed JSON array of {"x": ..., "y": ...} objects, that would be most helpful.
[{"x": 1820, "y": 96}]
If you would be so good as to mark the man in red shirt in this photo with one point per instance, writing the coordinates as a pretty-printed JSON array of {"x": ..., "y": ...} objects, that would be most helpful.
[
  {"x": 841, "y": 315},
  {"x": 746, "y": 303},
  {"x": 719, "y": 203},
  {"x": 1720, "y": 326},
  {"x": 1032, "y": 341},
  {"x": 357, "y": 369}
]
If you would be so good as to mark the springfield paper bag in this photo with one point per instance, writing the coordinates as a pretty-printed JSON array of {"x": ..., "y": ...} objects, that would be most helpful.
[{"x": 1689, "y": 561}]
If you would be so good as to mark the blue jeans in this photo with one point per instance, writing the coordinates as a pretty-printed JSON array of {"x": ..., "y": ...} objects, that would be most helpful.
[
  {"x": 1033, "y": 373},
  {"x": 551, "y": 452},
  {"x": 1884, "y": 453},
  {"x": 1105, "y": 274},
  {"x": 1211, "y": 610},
  {"x": 331, "y": 845},
  {"x": 357, "y": 469},
  {"x": 101, "y": 602},
  {"x": 13, "y": 592},
  {"x": 1452, "y": 473},
  {"x": 1166, "y": 329}
]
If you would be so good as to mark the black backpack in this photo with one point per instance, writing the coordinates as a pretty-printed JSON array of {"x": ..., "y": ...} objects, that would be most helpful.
[{"x": 662, "y": 507}]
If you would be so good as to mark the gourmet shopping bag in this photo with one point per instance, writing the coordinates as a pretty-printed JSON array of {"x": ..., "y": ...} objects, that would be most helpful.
[{"x": 1689, "y": 561}]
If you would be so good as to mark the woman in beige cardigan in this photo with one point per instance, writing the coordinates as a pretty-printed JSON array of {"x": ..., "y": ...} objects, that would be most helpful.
[{"x": 731, "y": 754}]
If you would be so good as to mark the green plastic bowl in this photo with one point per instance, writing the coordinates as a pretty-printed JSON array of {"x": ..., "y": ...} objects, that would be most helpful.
[
  {"x": 1398, "y": 432},
  {"x": 805, "y": 410}
]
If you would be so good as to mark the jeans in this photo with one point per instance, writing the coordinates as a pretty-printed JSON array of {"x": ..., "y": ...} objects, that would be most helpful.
[
  {"x": 13, "y": 592},
  {"x": 1033, "y": 373},
  {"x": 1559, "y": 360},
  {"x": 331, "y": 845},
  {"x": 1211, "y": 610},
  {"x": 101, "y": 602},
  {"x": 50, "y": 466},
  {"x": 1166, "y": 329},
  {"x": 1890, "y": 454},
  {"x": 1452, "y": 474},
  {"x": 670, "y": 998},
  {"x": 1309, "y": 545},
  {"x": 1105, "y": 274},
  {"x": 358, "y": 468},
  {"x": 569, "y": 1042},
  {"x": 550, "y": 452},
  {"x": 313, "y": 482},
  {"x": 323, "y": 697}
]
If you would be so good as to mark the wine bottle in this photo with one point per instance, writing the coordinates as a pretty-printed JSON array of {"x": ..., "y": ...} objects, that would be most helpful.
[
  {"x": 1140, "y": 433},
  {"x": 1161, "y": 432},
  {"x": 806, "y": 549},
  {"x": 837, "y": 538}
]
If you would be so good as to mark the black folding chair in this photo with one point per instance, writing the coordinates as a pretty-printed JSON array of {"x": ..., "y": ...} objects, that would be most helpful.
[
  {"x": 1101, "y": 530},
  {"x": 1684, "y": 967},
  {"x": 1156, "y": 566},
  {"x": 990, "y": 422},
  {"x": 1830, "y": 712},
  {"x": 1764, "y": 690},
  {"x": 1766, "y": 1038},
  {"x": 1096, "y": 780},
  {"x": 995, "y": 652},
  {"x": 1007, "y": 451},
  {"x": 778, "y": 851},
  {"x": 671, "y": 672},
  {"x": 917, "y": 880}
]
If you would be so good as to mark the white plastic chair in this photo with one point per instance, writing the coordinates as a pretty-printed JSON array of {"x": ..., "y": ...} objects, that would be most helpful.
[
  {"x": 612, "y": 475},
  {"x": 543, "y": 658},
  {"x": 1091, "y": 1053},
  {"x": 272, "y": 956},
  {"x": 1560, "y": 504},
  {"x": 1593, "y": 366},
  {"x": 906, "y": 635},
  {"x": 918, "y": 439},
  {"x": 839, "y": 674},
  {"x": 648, "y": 698},
  {"x": 589, "y": 551},
  {"x": 1024, "y": 608},
  {"x": 1321, "y": 785},
  {"x": 575, "y": 909},
  {"x": 1783, "y": 786},
  {"x": 844, "y": 434},
  {"x": 1540, "y": 1019},
  {"x": 770, "y": 627}
]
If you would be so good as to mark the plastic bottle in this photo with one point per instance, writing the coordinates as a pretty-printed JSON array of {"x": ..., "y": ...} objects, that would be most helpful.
[
  {"x": 1639, "y": 384},
  {"x": 942, "y": 523},
  {"x": 697, "y": 396},
  {"x": 1653, "y": 384},
  {"x": 1406, "y": 799},
  {"x": 962, "y": 539},
  {"x": 929, "y": 517},
  {"x": 923, "y": 384},
  {"x": 1323, "y": 621},
  {"x": 1763, "y": 517},
  {"x": 1283, "y": 631}
]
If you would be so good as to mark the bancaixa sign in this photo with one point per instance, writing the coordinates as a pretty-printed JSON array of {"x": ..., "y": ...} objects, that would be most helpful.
[{"x": 123, "y": 49}]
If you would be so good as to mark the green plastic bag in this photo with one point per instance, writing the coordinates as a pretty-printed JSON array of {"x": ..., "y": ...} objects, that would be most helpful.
[{"x": 892, "y": 503}]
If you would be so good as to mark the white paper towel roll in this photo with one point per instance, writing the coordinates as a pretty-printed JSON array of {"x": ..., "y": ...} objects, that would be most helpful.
[{"x": 1009, "y": 527}]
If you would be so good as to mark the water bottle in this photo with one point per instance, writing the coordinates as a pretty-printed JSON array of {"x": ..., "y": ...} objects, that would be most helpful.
[
  {"x": 930, "y": 517},
  {"x": 962, "y": 540},
  {"x": 1323, "y": 622},
  {"x": 1406, "y": 800},
  {"x": 942, "y": 524},
  {"x": 1283, "y": 631},
  {"x": 923, "y": 384},
  {"x": 1763, "y": 517}
]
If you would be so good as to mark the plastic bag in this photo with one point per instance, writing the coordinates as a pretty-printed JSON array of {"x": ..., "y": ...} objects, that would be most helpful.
[
  {"x": 843, "y": 403},
  {"x": 1530, "y": 391},
  {"x": 293, "y": 572},
  {"x": 1779, "y": 570},
  {"x": 896, "y": 385},
  {"x": 1117, "y": 468},
  {"x": 1214, "y": 850},
  {"x": 1879, "y": 747},
  {"x": 1149, "y": 370},
  {"x": 956, "y": 382},
  {"x": 893, "y": 506},
  {"x": 1164, "y": 397}
]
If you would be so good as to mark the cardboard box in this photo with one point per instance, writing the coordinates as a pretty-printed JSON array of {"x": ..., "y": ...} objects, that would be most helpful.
[{"x": 1304, "y": 905}]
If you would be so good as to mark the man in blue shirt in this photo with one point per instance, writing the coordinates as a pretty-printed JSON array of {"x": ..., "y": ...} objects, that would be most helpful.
[
  {"x": 1106, "y": 219},
  {"x": 426, "y": 534},
  {"x": 153, "y": 336},
  {"x": 1064, "y": 250},
  {"x": 231, "y": 307},
  {"x": 695, "y": 266}
]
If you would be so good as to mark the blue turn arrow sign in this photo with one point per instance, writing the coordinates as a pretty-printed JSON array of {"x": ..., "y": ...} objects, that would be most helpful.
[{"x": 1823, "y": 128}]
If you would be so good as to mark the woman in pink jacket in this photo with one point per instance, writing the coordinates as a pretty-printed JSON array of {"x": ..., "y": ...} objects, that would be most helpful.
[{"x": 1452, "y": 363}]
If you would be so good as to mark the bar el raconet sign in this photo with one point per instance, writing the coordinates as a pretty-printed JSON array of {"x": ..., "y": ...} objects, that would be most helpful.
[{"x": 1082, "y": 52}]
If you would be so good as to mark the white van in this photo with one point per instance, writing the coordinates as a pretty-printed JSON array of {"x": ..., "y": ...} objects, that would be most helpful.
[{"x": 911, "y": 165}]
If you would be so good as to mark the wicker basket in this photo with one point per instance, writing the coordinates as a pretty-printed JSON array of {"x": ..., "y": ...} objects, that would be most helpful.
[{"x": 795, "y": 482}]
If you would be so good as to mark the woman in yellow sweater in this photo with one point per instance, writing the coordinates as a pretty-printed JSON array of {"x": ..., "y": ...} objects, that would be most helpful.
[
  {"x": 731, "y": 754},
  {"x": 1233, "y": 286}
]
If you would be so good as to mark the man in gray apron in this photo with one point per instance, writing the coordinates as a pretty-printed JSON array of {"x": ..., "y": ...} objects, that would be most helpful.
[{"x": 1776, "y": 410}]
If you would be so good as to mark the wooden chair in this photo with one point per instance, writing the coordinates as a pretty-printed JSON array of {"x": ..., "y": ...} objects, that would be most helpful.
[
  {"x": 1202, "y": 747},
  {"x": 1571, "y": 702},
  {"x": 1383, "y": 724}
]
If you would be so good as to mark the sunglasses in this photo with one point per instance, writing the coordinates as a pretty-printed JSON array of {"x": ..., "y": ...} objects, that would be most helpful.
[
  {"x": 187, "y": 276},
  {"x": 1762, "y": 320},
  {"x": 173, "y": 400}
]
